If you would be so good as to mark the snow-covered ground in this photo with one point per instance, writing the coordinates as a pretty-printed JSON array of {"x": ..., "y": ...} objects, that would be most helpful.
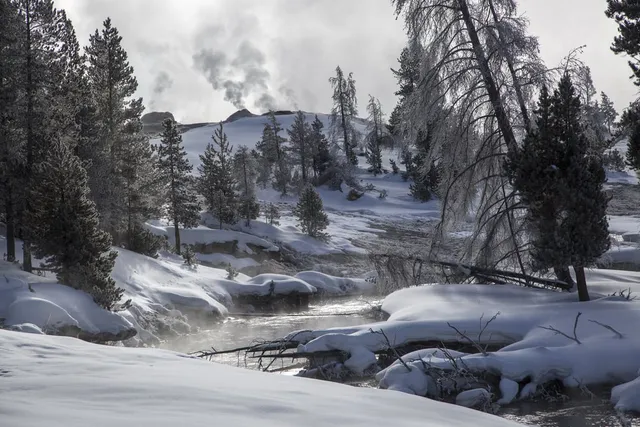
[
  {"x": 62, "y": 382},
  {"x": 602, "y": 330},
  {"x": 166, "y": 295}
]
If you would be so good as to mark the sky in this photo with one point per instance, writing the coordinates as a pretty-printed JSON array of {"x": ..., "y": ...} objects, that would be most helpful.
[{"x": 204, "y": 59}]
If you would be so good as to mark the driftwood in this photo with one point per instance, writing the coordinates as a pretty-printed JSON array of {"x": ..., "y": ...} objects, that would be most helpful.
[{"x": 490, "y": 275}]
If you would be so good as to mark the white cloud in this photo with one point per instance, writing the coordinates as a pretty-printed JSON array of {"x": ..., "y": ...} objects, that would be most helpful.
[{"x": 303, "y": 41}]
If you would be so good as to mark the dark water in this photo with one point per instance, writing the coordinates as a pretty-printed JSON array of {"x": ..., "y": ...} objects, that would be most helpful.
[{"x": 580, "y": 410}]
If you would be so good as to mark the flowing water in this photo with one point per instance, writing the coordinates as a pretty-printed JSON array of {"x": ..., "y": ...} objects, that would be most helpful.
[{"x": 240, "y": 331}]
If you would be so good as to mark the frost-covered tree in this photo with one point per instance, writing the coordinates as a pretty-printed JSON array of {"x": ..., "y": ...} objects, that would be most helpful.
[
  {"x": 321, "y": 154},
  {"x": 182, "y": 206},
  {"x": 123, "y": 178},
  {"x": 633, "y": 147},
  {"x": 343, "y": 112},
  {"x": 375, "y": 133},
  {"x": 479, "y": 70},
  {"x": 407, "y": 76},
  {"x": 301, "y": 144},
  {"x": 245, "y": 167},
  {"x": 66, "y": 229},
  {"x": 217, "y": 182},
  {"x": 561, "y": 183},
  {"x": 626, "y": 13},
  {"x": 310, "y": 213}
]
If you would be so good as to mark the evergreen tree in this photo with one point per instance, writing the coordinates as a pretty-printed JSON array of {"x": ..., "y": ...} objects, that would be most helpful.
[
  {"x": 66, "y": 229},
  {"x": 561, "y": 184},
  {"x": 244, "y": 165},
  {"x": 310, "y": 213},
  {"x": 375, "y": 135},
  {"x": 633, "y": 148},
  {"x": 124, "y": 181},
  {"x": 321, "y": 154},
  {"x": 274, "y": 152},
  {"x": 217, "y": 182},
  {"x": 407, "y": 76},
  {"x": 272, "y": 214},
  {"x": 344, "y": 110},
  {"x": 44, "y": 50},
  {"x": 10, "y": 69},
  {"x": 301, "y": 144},
  {"x": 182, "y": 204},
  {"x": 626, "y": 13},
  {"x": 607, "y": 111}
]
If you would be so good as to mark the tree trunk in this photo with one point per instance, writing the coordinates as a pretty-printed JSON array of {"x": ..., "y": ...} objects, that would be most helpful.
[
  {"x": 11, "y": 230},
  {"x": 581, "y": 281},
  {"x": 26, "y": 246},
  {"x": 512, "y": 71},
  {"x": 492, "y": 89},
  {"x": 176, "y": 228}
]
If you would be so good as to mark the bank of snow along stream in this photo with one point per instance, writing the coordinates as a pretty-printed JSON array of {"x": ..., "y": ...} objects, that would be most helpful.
[{"x": 545, "y": 344}]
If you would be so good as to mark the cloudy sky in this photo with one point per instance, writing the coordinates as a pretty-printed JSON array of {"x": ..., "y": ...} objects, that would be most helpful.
[{"x": 201, "y": 59}]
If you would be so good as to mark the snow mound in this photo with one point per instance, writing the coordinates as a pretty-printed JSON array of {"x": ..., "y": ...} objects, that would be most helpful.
[
  {"x": 75, "y": 384},
  {"x": 29, "y": 302},
  {"x": 265, "y": 284},
  {"x": 336, "y": 285},
  {"x": 204, "y": 236}
]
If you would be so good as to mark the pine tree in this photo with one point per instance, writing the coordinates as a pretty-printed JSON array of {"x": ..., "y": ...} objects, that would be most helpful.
[
  {"x": 374, "y": 137},
  {"x": 66, "y": 228},
  {"x": 608, "y": 111},
  {"x": 244, "y": 165},
  {"x": 633, "y": 148},
  {"x": 345, "y": 109},
  {"x": 626, "y": 13},
  {"x": 217, "y": 182},
  {"x": 561, "y": 184},
  {"x": 124, "y": 181},
  {"x": 407, "y": 76},
  {"x": 43, "y": 52},
  {"x": 10, "y": 69},
  {"x": 301, "y": 144},
  {"x": 273, "y": 150},
  {"x": 182, "y": 204},
  {"x": 321, "y": 154},
  {"x": 272, "y": 214},
  {"x": 310, "y": 213}
]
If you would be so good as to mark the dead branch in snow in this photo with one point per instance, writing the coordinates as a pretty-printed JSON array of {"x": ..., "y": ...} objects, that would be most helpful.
[
  {"x": 575, "y": 326},
  {"x": 618, "y": 334}
]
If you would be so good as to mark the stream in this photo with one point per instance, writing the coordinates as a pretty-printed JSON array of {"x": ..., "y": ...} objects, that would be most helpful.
[{"x": 579, "y": 411}]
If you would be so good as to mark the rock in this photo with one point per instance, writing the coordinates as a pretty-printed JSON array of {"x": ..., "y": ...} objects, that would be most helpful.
[
  {"x": 156, "y": 117},
  {"x": 240, "y": 114}
]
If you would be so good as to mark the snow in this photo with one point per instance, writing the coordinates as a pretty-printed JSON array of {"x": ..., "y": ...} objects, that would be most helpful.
[
  {"x": 29, "y": 302},
  {"x": 63, "y": 382},
  {"x": 205, "y": 235},
  {"x": 223, "y": 260},
  {"x": 626, "y": 397},
  {"x": 606, "y": 332},
  {"x": 282, "y": 284},
  {"x": 336, "y": 285},
  {"x": 628, "y": 175}
]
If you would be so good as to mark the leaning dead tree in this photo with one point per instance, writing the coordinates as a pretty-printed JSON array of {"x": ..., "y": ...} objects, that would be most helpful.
[{"x": 479, "y": 72}]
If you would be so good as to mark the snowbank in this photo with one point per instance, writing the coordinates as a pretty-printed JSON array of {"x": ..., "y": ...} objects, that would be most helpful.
[
  {"x": 265, "y": 284},
  {"x": 626, "y": 396},
  {"x": 597, "y": 342},
  {"x": 63, "y": 382},
  {"x": 205, "y": 236},
  {"x": 29, "y": 302},
  {"x": 332, "y": 285},
  {"x": 223, "y": 260}
]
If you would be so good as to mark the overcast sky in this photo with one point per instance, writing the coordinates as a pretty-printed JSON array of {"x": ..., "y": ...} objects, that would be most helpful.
[{"x": 201, "y": 59}]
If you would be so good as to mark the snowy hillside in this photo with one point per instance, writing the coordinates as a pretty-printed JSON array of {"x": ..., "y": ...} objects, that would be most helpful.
[
  {"x": 248, "y": 131},
  {"x": 62, "y": 382}
]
